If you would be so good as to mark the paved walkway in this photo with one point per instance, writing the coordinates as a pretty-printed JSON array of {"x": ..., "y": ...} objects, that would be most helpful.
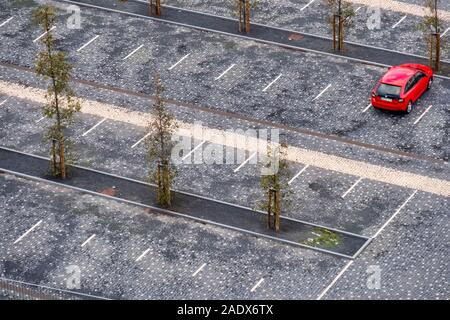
[
  {"x": 295, "y": 154},
  {"x": 262, "y": 33}
]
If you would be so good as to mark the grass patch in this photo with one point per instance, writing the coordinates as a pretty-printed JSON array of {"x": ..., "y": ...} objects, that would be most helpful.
[{"x": 324, "y": 238}]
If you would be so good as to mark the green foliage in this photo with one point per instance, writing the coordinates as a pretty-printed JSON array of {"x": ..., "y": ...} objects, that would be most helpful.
[
  {"x": 61, "y": 103},
  {"x": 325, "y": 239},
  {"x": 160, "y": 145},
  {"x": 347, "y": 11},
  {"x": 277, "y": 181}
]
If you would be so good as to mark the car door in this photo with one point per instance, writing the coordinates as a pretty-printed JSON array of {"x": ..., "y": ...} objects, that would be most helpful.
[
  {"x": 422, "y": 83},
  {"x": 415, "y": 87}
]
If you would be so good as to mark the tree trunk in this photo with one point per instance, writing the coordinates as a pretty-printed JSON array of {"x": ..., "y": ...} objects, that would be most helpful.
[{"x": 62, "y": 162}]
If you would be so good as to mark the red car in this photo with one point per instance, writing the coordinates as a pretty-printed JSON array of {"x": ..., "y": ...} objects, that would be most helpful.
[{"x": 402, "y": 86}]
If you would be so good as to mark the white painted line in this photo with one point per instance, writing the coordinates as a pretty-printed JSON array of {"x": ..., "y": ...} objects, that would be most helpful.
[
  {"x": 3, "y": 102},
  {"x": 181, "y": 60},
  {"x": 99, "y": 123},
  {"x": 243, "y": 163},
  {"x": 357, "y": 9},
  {"x": 256, "y": 285},
  {"x": 5, "y": 22},
  {"x": 193, "y": 150},
  {"x": 421, "y": 116},
  {"x": 134, "y": 51},
  {"x": 223, "y": 73},
  {"x": 306, "y": 6},
  {"x": 395, "y": 25},
  {"x": 142, "y": 255},
  {"x": 40, "y": 119},
  {"x": 323, "y": 91},
  {"x": 395, "y": 214},
  {"x": 44, "y": 34},
  {"x": 351, "y": 188},
  {"x": 140, "y": 140},
  {"x": 270, "y": 84},
  {"x": 198, "y": 270},
  {"x": 299, "y": 173},
  {"x": 445, "y": 32},
  {"x": 87, "y": 43},
  {"x": 87, "y": 241},
  {"x": 29, "y": 230},
  {"x": 367, "y": 108},
  {"x": 334, "y": 280}
]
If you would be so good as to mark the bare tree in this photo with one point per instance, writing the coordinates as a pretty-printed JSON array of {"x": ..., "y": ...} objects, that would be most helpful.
[
  {"x": 275, "y": 186},
  {"x": 160, "y": 145},
  {"x": 431, "y": 27},
  {"x": 61, "y": 102},
  {"x": 340, "y": 18},
  {"x": 243, "y": 10}
]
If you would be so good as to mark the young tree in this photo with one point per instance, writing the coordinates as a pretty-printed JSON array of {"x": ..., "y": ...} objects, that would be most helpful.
[
  {"x": 243, "y": 8},
  {"x": 341, "y": 18},
  {"x": 431, "y": 27},
  {"x": 160, "y": 144},
  {"x": 154, "y": 7},
  {"x": 61, "y": 102},
  {"x": 275, "y": 185}
]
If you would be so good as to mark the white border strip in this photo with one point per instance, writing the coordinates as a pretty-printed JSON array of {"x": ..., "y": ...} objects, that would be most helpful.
[
  {"x": 257, "y": 285},
  {"x": 133, "y": 52},
  {"x": 5, "y": 22},
  {"x": 52, "y": 28},
  {"x": 87, "y": 241},
  {"x": 335, "y": 280},
  {"x": 99, "y": 123},
  {"x": 179, "y": 61},
  {"x": 225, "y": 72},
  {"x": 395, "y": 214},
  {"x": 352, "y": 187},
  {"x": 421, "y": 116},
  {"x": 28, "y": 231},
  {"x": 198, "y": 270},
  {"x": 86, "y": 44},
  {"x": 270, "y": 84}
]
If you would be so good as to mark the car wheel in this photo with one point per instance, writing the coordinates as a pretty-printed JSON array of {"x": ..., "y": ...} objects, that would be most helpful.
[
  {"x": 409, "y": 107},
  {"x": 430, "y": 84}
]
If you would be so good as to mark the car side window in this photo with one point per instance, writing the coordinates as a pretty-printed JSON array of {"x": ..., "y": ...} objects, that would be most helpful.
[{"x": 409, "y": 84}]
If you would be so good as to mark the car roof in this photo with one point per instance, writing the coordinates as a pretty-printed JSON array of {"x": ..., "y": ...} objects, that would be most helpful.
[{"x": 398, "y": 76}]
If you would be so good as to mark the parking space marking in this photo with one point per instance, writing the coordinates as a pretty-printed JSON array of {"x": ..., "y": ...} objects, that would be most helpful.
[
  {"x": 243, "y": 163},
  {"x": 142, "y": 255},
  {"x": 88, "y": 43},
  {"x": 307, "y": 5},
  {"x": 133, "y": 52},
  {"x": 193, "y": 150},
  {"x": 335, "y": 280},
  {"x": 323, "y": 91},
  {"x": 99, "y": 123},
  {"x": 87, "y": 241},
  {"x": 52, "y": 28},
  {"x": 40, "y": 119},
  {"x": 299, "y": 173},
  {"x": 28, "y": 231},
  {"x": 357, "y": 9},
  {"x": 198, "y": 270},
  {"x": 5, "y": 22},
  {"x": 223, "y": 73},
  {"x": 140, "y": 140},
  {"x": 421, "y": 116},
  {"x": 400, "y": 21},
  {"x": 3, "y": 102},
  {"x": 179, "y": 61},
  {"x": 395, "y": 214},
  {"x": 270, "y": 84},
  {"x": 256, "y": 285},
  {"x": 367, "y": 108},
  {"x": 352, "y": 187},
  {"x": 445, "y": 32}
]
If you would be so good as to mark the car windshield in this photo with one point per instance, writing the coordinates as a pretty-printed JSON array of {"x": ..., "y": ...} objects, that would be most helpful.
[{"x": 389, "y": 90}]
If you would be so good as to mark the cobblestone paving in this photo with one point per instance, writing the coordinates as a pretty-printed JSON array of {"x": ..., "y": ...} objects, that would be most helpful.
[
  {"x": 177, "y": 248},
  {"x": 289, "y": 101},
  {"x": 411, "y": 254},
  {"x": 314, "y": 19}
]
